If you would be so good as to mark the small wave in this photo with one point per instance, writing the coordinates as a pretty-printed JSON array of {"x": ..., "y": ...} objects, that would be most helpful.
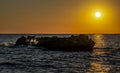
[{"x": 6, "y": 44}]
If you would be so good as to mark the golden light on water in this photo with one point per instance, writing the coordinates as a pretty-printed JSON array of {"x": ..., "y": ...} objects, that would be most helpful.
[
  {"x": 99, "y": 66},
  {"x": 100, "y": 42}
]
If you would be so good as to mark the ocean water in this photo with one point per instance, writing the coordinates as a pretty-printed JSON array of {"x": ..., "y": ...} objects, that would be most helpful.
[{"x": 29, "y": 59}]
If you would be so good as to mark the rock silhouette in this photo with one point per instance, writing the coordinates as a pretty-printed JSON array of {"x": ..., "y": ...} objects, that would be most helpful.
[
  {"x": 21, "y": 41},
  {"x": 30, "y": 40},
  {"x": 72, "y": 43}
]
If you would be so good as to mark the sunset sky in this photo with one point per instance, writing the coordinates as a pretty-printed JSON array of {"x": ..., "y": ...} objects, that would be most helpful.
[{"x": 59, "y": 16}]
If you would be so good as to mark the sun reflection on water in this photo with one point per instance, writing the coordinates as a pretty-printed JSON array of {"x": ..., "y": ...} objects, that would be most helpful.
[
  {"x": 99, "y": 40},
  {"x": 99, "y": 63},
  {"x": 97, "y": 67}
]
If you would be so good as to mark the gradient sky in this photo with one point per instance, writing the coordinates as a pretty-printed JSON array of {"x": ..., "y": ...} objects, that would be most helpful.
[{"x": 59, "y": 16}]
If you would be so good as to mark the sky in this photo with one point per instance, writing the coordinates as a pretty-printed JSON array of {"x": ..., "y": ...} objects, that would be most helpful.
[{"x": 59, "y": 16}]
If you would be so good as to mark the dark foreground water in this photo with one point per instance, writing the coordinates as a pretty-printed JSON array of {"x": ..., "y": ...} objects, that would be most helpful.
[{"x": 28, "y": 59}]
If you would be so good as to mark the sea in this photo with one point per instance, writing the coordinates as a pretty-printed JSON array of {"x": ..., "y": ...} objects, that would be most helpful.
[{"x": 105, "y": 57}]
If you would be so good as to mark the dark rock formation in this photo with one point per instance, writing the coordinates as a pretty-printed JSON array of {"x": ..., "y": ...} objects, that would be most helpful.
[
  {"x": 21, "y": 41},
  {"x": 30, "y": 40},
  {"x": 73, "y": 43}
]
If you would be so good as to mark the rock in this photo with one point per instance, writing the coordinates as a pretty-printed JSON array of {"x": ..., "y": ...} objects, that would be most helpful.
[
  {"x": 21, "y": 41},
  {"x": 73, "y": 43},
  {"x": 30, "y": 40}
]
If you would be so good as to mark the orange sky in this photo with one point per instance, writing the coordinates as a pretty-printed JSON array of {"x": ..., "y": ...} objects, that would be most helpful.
[{"x": 59, "y": 16}]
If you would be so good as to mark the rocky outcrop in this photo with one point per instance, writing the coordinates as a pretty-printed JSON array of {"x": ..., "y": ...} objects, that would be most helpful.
[
  {"x": 30, "y": 40},
  {"x": 21, "y": 41},
  {"x": 72, "y": 43}
]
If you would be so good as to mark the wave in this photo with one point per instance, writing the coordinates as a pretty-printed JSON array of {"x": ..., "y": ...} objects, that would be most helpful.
[{"x": 6, "y": 44}]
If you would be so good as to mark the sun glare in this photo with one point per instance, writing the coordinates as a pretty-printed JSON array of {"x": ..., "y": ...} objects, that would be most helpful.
[{"x": 98, "y": 14}]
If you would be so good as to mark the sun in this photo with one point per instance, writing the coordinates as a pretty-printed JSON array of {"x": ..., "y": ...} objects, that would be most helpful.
[{"x": 98, "y": 14}]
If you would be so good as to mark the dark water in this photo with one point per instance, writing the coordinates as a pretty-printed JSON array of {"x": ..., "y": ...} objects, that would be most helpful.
[{"x": 30, "y": 59}]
